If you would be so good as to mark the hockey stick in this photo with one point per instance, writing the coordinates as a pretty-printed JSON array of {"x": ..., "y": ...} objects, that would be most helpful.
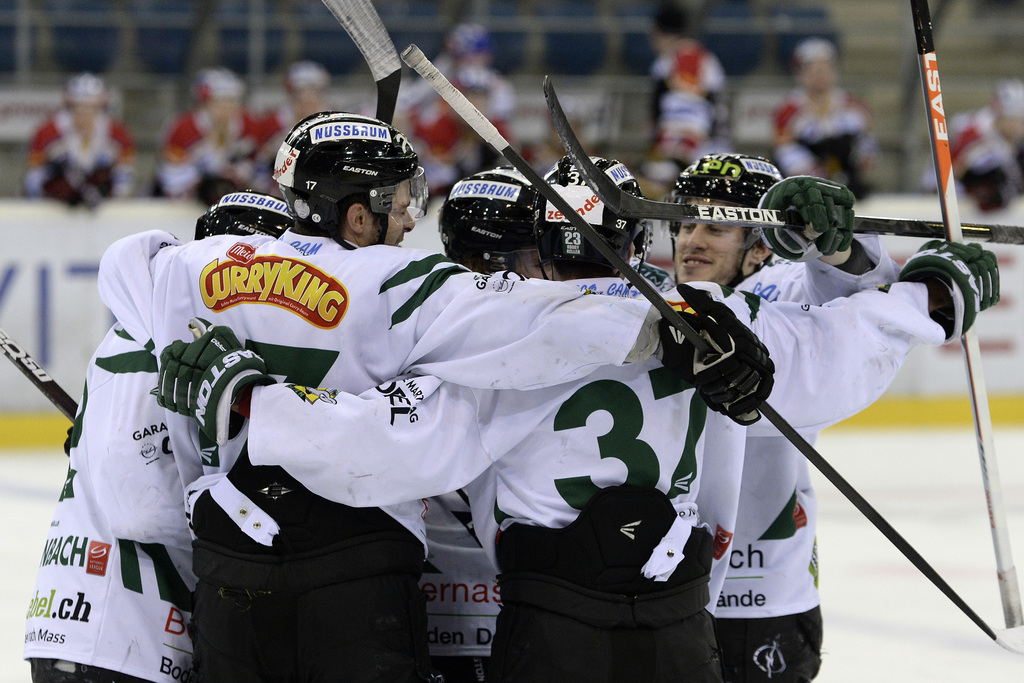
[
  {"x": 631, "y": 206},
  {"x": 363, "y": 24},
  {"x": 939, "y": 138},
  {"x": 415, "y": 58},
  {"x": 38, "y": 376}
]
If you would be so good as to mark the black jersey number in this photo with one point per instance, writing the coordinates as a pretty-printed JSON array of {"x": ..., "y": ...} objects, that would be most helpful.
[{"x": 621, "y": 440}]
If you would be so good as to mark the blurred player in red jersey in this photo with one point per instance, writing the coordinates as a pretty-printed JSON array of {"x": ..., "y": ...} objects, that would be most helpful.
[
  {"x": 449, "y": 149},
  {"x": 822, "y": 130},
  {"x": 306, "y": 85},
  {"x": 81, "y": 155},
  {"x": 688, "y": 110},
  {"x": 210, "y": 150},
  {"x": 987, "y": 146}
]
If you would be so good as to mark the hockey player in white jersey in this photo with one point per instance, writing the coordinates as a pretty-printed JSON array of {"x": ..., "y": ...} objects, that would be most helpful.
[
  {"x": 333, "y": 303},
  {"x": 633, "y": 446},
  {"x": 112, "y": 600},
  {"x": 768, "y": 614}
]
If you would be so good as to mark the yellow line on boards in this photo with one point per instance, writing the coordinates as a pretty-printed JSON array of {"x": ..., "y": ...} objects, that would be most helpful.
[
  {"x": 949, "y": 411},
  {"x": 33, "y": 430},
  {"x": 46, "y": 430}
]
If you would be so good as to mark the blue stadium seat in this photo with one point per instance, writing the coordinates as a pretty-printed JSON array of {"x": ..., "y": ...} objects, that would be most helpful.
[
  {"x": 163, "y": 33},
  {"x": 325, "y": 41},
  {"x": 86, "y": 35},
  {"x": 8, "y": 33},
  {"x": 509, "y": 44},
  {"x": 739, "y": 51},
  {"x": 637, "y": 53},
  {"x": 232, "y": 18},
  {"x": 574, "y": 53},
  {"x": 413, "y": 22},
  {"x": 796, "y": 23}
]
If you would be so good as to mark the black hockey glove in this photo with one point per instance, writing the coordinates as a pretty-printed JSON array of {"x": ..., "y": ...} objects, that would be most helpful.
[
  {"x": 202, "y": 378},
  {"x": 736, "y": 375},
  {"x": 971, "y": 274}
]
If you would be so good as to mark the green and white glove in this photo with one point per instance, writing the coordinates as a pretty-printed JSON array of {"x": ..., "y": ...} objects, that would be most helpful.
[
  {"x": 823, "y": 208},
  {"x": 202, "y": 378},
  {"x": 971, "y": 274}
]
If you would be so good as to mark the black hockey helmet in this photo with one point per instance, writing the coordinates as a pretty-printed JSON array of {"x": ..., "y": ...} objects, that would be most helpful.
[
  {"x": 558, "y": 240},
  {"x": 331, "y": 155},
  {"x": 245, "y": 213},
  {"x": 739, "y": 179},
  {"x": 490, "y": 214}
]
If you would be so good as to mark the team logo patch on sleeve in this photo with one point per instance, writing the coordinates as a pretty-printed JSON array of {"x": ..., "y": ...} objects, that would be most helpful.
[
  {"x": 722, "y": 540},
  {"x": 295, "y": 285},
  {"x": 312, "y": 395}
]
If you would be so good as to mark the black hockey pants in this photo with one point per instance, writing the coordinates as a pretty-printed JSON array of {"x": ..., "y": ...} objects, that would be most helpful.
[
  {"x": 772, "y": 650},
  {"x": 352, "y": 612},
  {"x": 60, "y": 671},
  {"x": 576, "y": 607}
]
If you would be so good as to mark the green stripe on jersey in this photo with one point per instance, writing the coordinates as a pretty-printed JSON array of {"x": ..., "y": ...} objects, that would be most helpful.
[
  {"x": 431, "y": 284},
  {"x": 412, "y": 271},
  {"x": 784, "y": 525},
  {"x": 133, "y": 361}
]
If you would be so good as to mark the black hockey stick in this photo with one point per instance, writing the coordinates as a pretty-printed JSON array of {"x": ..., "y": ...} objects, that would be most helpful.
[
  {"x": 38, "y": 376},
  {"x": 1006, "y": 572},
  {"x": 363, "y": 24},
  {"x": 631, "y": 206},
  {"x": 415, "y": 58}
]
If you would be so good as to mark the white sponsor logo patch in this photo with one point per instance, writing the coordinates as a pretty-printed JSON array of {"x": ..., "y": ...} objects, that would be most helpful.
[
  {"x": 284, "y": 165},
  {"x": 250, "y": 199},
  {"x": 583, "y": 200},
  {"x": 755, "y": 166},
  {"x": 619, "y": 173},
  {"x": 484, "y": 190},
  {"x": 326, "y": 132}
]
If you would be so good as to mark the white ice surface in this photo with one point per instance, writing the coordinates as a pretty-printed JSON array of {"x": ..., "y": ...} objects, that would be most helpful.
[{"x": 883, "y": 620}]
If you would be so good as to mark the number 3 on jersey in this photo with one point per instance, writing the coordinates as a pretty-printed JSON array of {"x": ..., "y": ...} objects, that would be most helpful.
[{"x": 621, "y": 441}]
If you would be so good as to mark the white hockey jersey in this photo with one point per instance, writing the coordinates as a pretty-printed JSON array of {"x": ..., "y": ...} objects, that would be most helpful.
[
  {"x": 773, "y": 564},
  {"x": 540, "y": 454},
  {"x": 114, "y": 582},
  {"x": 349, "y": 319},
  {"x": 463, "y": 597}
]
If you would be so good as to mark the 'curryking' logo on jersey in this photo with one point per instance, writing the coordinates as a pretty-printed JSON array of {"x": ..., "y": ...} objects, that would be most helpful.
[{"x": 300, "y": 287}]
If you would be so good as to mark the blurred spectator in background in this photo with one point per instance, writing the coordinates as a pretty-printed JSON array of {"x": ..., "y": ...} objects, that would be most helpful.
[
  {"x": 688, "y": 109},
  {"x": 822, "y": 130},
  {"x": 81, "y": 155},
  {"x": 987, "y": 147},
  {"x": 449, "y": 149},
  {"x": 210, "y": 150},
  {"x": 306, "y": 85}
]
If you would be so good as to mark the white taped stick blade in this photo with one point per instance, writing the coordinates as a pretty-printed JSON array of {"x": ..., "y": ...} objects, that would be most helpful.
[
  {"x": 363, "y": 24},
  {"x": 414, "y": 57},
  {"x": 1011, "y": 639}
]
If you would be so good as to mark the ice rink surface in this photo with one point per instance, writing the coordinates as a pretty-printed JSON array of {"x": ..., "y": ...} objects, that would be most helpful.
[{"x": 884, "y": 621}]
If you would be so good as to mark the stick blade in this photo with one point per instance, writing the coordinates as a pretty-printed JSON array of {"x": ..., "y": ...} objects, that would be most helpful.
[
  {"x": 614, "y": 197},
  {"x": 1011, "y": 639},
  {"x": 601, "y": 184}
]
